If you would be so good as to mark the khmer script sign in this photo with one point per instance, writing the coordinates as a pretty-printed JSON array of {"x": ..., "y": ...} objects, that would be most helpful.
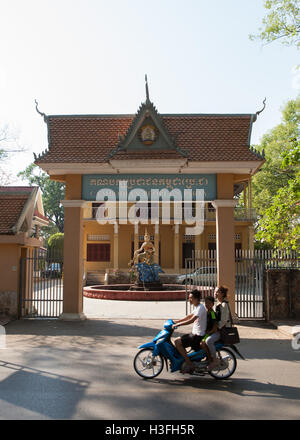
[{"x": 92, "y": 183}]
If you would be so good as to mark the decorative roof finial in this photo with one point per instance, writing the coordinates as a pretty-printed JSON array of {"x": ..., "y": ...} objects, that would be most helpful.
[
  {"x": 42, "y": 114},
  {"x": 147, "y": 89},
  {"x": 257, "y": 113}
]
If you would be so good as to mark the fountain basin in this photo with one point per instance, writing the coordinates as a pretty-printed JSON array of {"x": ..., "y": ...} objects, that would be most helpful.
[{"x": 121, "y": 292}]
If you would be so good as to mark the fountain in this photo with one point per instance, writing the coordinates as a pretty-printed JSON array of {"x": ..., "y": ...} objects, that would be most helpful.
[{"x": 146, "y": 284}]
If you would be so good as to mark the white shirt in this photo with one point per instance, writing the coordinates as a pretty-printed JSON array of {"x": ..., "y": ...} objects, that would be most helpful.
[
  {"x": 225, "y": 317},
  {"x": 199, "y": 326}
]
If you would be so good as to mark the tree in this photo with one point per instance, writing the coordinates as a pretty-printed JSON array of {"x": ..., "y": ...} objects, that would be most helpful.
[
  {"x": 8, "y": 145},
  {"x": 56, "y": 242},
  {"x": 276, "y": 189},
  {"x": 272, "y": 176},
  {"x": 53, "y": 193},
  {"x": 281, "y": 22},
  {"x": 280, "y": 224}
]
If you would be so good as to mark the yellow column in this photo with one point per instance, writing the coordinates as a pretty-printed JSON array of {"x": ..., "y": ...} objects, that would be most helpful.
[
  {"x": 156, "y": 243},
  {"x": 176, "y": 248},
  {"x": 73, "y": 260},
  {"x": 116, "y": 246},
  {"x": 245, "y": 198},
  {"x": 249, "y": 198},
  {"x": 198, "y": 244},
  {"x": 136, "y": 236},
  {"x": 225, "y": 246},
  {"x": 251, "y": 238}
]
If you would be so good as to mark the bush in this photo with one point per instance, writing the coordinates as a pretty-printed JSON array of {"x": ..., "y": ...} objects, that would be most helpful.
[{"x": 56, "y": 242}]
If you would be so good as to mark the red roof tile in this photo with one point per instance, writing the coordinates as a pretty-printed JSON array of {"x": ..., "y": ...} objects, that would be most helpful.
[
  {"x": 41, "y": 216},
  {"x": 11, "y": 207},
  {"x": 89, "y": 139}
]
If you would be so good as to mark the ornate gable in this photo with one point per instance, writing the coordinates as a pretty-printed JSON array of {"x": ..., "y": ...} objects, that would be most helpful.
[{"x": 147, "y": 132}]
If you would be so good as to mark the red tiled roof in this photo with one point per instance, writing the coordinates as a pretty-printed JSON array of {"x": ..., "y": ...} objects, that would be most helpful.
[
  {"x": 16, "y": 189},
  {"x": 39, "y": 215},
  {"x": 89, "y": 139},
  {"x": 11, "y": 207}
]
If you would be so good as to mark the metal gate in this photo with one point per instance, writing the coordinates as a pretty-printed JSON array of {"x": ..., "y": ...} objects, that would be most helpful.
[
  {"x": 41, "y": 284},
  {"x": 250, "y": 271},
  {"x": 201, "y": 273},
  {"x": 249, "y": 286}
]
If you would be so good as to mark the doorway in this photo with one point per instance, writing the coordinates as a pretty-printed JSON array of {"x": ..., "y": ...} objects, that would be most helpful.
[{"x": 187, "y": 251}]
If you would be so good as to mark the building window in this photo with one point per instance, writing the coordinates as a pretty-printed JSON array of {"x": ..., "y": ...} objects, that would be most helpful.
[
  {"x": 105, "y": 237},
  {"x": 144, "y": 211},
  {"x": 98, "y": 252},
  {"x": 188, "y": 209},
  {"x": 188, "y": 237},
  {"x": 212, "y": 246},
  {"x": 142, "y": 240},
  {"x": 238, "y": 246},
  {"x": 95, "y": 207}
]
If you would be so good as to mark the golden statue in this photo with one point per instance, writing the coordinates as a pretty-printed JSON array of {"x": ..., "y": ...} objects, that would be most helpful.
[{"x": 146, "y": 251}]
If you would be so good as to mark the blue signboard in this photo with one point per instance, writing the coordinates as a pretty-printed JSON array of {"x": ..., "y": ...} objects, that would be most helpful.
[{"x": 92, "y": 183}]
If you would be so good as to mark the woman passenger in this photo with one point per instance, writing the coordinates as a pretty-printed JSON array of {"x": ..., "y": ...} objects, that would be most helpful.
[
  {"x": 223, "y": 318},
  {"x": 211, "y": 327}
]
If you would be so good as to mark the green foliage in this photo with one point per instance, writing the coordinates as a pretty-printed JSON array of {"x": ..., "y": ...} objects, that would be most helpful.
[
  {"x": 56, "y": 242},
  {"x": 276, "y": 189},
  {"x": 53, "y": 193},
  {"x": 47, "y": 231},
  {"x": 281, "y": 22},
  {"x": 280, "y": 224},
  {"x": 279, "y": 141}
]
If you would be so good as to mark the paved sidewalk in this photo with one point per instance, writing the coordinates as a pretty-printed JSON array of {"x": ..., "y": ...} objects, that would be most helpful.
[{"x": 288, "y": 327}]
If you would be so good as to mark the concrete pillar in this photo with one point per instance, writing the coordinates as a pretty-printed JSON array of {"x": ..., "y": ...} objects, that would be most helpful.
[
  {"x": 225, "y": 246},
  {"x": 116, "y": 246},
  {"x": 176, "y": 248},
  {"x": 136, "y": 237},
  {"x": 249, "y": 198},
  {"x": 198, "y": 244},
  {"x": 73, "y": 260},
  {"x": 251, "y": 238},
  {"x": 245, "y": 198},
  {"x": 156, "y": 243}
]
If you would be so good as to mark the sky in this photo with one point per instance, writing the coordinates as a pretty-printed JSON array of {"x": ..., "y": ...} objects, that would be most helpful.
[{"x": 91, "y": 57}]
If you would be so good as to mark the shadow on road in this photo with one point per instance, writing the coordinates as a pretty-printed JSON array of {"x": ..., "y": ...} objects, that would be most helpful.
[
  {"x": 40, "y": 390},
  {"x": 88, "y": 328},
  {"x": 239, "y": 386}
]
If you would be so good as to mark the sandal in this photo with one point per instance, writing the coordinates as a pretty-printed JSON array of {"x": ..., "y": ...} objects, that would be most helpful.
[
  {"x": 213, "y": 365},
  {"x": 186, "y": 368}
]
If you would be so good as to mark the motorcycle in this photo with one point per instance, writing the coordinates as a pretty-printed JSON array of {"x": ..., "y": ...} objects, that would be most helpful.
[{"x": 150, "y": 360}]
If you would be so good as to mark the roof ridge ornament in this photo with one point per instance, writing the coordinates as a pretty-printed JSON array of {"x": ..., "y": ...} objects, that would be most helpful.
[
  {"x": 260, "y": 111},
  {"x": 39, "y": 112},
  {"x": 146, "y": 110},
  {"x": 147, "y": 89}
]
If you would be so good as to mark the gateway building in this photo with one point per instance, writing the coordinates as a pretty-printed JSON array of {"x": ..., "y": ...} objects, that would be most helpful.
[{"x": 94, "y": 155}]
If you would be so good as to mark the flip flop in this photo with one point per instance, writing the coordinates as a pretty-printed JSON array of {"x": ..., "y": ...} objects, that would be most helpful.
[{"x": 187, "y": 369}]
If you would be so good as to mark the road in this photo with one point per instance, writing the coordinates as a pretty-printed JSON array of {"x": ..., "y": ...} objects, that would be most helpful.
[{"x": 83, "y": 370}]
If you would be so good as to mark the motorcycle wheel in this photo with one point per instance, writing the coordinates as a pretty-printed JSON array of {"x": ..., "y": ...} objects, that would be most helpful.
[
  {"x": 227, "y": 365},
  {"x": 146, "y": 365}
]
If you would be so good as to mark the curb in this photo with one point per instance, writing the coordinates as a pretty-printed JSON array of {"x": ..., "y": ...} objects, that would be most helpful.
[{"x": 286, "y": 329}]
